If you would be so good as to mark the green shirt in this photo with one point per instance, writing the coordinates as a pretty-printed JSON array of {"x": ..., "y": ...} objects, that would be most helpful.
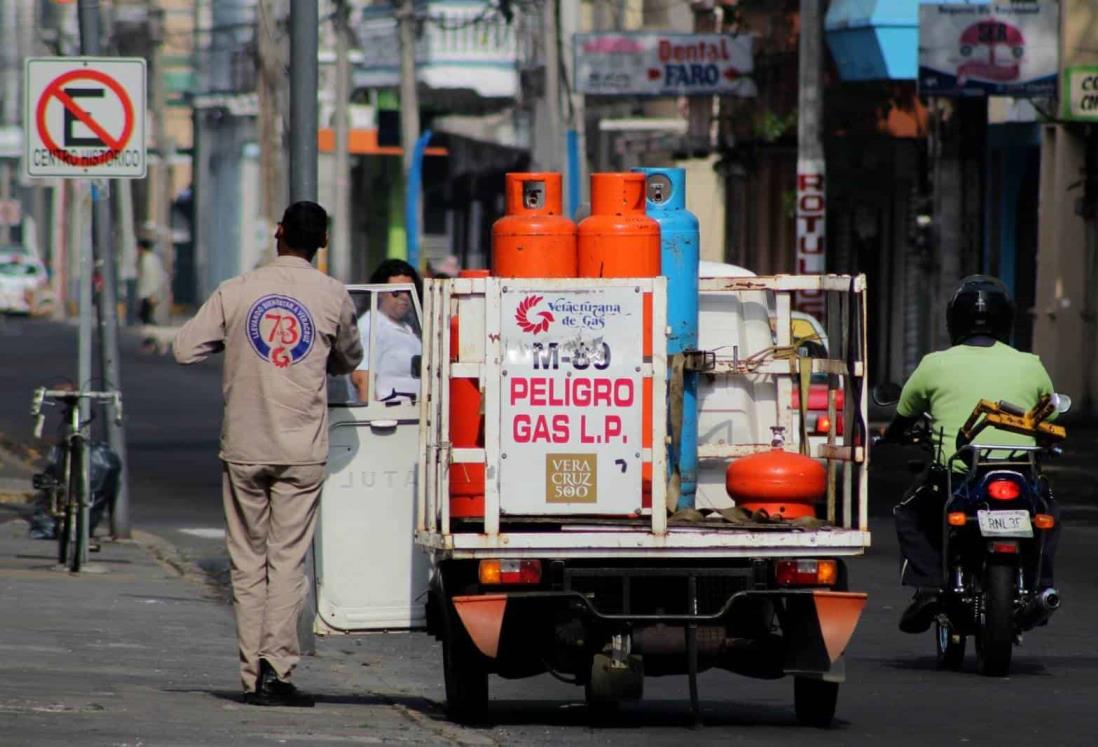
[{"x": 950, "y": 383}]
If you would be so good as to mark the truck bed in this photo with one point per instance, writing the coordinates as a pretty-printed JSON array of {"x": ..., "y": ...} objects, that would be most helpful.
[{"x": 533, "y": 408}]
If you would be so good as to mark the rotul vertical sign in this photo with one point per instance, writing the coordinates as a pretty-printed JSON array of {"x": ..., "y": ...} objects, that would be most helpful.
[
  {"x": 85, "y": 117},
  {"x": 811, "y": 230}
]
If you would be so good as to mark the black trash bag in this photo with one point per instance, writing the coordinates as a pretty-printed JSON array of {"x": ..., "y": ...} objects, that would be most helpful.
[{"x": 106, "y": 470}]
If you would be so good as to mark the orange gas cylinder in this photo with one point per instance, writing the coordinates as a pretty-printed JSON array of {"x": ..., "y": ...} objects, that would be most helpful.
[
  {"x": 618, "y": 240},
  {"x": 533, "y": 239},
  {"x": 781, "y": 482},
  {"x": 466, "y": 431},
  {"x": 467, "y": 491}
]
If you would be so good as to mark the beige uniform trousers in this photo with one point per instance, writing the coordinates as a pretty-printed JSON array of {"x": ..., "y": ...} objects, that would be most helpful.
[{"x": 270, "y": 514}]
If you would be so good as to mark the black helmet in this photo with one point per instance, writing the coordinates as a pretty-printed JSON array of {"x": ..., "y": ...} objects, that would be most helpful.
[{"x": 980, "y": 306}]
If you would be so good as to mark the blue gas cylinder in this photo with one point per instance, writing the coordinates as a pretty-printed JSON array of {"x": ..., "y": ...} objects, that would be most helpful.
[{"x": 679, "y": 256}]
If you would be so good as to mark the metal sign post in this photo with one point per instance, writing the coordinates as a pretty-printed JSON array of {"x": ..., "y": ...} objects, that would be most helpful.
[{"x": 86, "y": 120}]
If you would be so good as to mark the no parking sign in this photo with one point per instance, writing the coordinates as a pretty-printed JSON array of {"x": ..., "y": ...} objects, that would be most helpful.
[{"x": 85, "y": 117}]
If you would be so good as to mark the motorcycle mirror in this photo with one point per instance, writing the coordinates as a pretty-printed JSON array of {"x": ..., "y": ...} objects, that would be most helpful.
[
  {"x": 1061, "y": 402},
  {"x": 886, "y": 394}
]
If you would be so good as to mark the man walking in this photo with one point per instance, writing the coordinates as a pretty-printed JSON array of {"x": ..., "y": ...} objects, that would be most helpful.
[
  {"x": 151, "y": 279},
  {"x": 282, "y": 327}
]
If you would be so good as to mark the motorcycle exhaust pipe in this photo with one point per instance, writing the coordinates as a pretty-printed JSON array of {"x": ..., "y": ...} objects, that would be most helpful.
[
  {"x": 1039, "y": 609},
  {"x": 1049, "y": 600}
]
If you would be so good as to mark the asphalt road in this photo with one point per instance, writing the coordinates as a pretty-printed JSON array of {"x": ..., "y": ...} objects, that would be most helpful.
[{"x": 894, "y": 694}]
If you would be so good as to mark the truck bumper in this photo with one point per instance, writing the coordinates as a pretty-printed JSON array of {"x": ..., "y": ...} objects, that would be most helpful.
[{"x": 815, "y": 625}]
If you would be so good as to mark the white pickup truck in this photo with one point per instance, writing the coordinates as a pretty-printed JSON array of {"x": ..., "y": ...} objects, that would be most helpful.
[{"x": 573, "y": 564}]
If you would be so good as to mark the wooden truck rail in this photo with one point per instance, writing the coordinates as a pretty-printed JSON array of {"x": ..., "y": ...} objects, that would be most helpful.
[{"x": 646, "y": 533}]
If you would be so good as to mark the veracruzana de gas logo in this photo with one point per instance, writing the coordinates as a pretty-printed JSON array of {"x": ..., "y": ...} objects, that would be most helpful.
[{"x": 529, "y": 319}]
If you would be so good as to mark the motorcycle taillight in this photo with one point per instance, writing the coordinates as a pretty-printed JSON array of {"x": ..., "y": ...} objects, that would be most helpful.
[{"x": 1003, "y": 490}]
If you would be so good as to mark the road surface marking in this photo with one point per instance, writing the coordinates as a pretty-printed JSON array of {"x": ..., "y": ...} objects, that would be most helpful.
[{"x": 211, "y": 533}]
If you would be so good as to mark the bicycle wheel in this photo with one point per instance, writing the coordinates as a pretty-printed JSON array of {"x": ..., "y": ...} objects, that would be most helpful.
[{"x": 78, "y": 508}]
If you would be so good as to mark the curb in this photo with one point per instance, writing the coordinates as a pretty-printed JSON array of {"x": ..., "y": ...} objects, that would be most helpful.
[{"x": 169, "y": 557}]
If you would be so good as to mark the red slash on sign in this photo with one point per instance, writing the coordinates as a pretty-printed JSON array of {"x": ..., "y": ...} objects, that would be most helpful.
[{"x": 113, "y": 144}]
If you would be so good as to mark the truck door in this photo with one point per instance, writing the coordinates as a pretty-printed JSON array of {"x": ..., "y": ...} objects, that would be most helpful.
[{"x": 369, "y": 573}]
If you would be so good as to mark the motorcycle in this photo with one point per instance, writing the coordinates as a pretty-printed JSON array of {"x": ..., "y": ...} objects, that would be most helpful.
[{"x": 998, "y": 516}]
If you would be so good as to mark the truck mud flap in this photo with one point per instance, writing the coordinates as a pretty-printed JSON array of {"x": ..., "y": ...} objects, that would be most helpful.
[
  {"x": 817, "y": 627},
  {"x": 482, "y": 616}
]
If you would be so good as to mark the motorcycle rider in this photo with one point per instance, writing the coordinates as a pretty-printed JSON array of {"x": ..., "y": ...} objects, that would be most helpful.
[{"x": 947, "y": 385}]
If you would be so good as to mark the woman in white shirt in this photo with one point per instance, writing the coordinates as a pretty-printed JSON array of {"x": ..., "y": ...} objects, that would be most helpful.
[{"x": 397, "y": 337}]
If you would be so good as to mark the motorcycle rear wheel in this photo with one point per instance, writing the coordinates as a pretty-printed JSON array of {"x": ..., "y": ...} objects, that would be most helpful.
[
  {"x": 950, "y": 645},
  {"x": 995, "y": 636}
]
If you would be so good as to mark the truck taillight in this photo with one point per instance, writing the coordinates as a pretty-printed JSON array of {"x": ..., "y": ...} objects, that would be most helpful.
[
  {"x": 802, "y": 572},
  {"x": 503, "y": 572},
  {"x": 825, "y": 425}
]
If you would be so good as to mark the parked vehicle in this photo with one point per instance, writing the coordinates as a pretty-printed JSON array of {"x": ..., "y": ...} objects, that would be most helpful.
[
  {"x": 67, "y": 487},
  {"x": 24, "y": 283},
  {"x": 996, "y": 520},
  {"x": 737, "y": 411},
  {"x": 105, "y": 471},
  {"x": 810, "y": 340}
]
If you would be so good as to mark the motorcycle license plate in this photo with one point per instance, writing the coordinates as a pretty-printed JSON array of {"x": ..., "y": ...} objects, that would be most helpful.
[{"x": 1004, "y": 523}]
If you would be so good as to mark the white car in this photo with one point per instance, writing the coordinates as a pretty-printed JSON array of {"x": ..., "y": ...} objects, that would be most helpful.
[{"x": 24, "y": 284}]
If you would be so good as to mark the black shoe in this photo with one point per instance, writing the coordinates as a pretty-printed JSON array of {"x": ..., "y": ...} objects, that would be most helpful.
[
  {"x": 271, "y": 691},
  {"x": 921, "y": 612}
]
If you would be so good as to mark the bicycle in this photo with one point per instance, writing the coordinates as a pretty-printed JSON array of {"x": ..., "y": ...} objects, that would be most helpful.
[{"x": 69, "y": 491}]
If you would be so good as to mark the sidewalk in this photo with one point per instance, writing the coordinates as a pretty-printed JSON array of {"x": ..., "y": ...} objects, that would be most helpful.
[
  {"x": 15, "y": 475},
  {"x": 136, "y": 652}
]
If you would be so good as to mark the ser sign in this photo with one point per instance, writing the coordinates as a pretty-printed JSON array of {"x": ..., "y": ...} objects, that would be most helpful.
[{"x": 85, "y": 117}]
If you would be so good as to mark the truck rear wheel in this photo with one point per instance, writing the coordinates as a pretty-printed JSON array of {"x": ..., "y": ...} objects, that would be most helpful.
[
  {"x": 815, "y": 701},
  {"x": 465, "y": 676}
]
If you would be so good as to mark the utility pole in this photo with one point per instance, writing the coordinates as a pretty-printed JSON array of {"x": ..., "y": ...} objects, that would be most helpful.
[
  {"x": 272, "y": 74},
  {"x": 339, "y": 256},
  {"x": 409, "y": 98},
  {"x": 108, "y": 309},
  {"x": 550, "y": 41},
  {"x": 160, "y": 196},
  {"x": 123, "y": 214},
  {"x": 811, "y": 193},
  {"x": 304, "y": 80},
  {"x": 700, "y": 108},
  {"x": 9, "y": 55},
  {"x": 576, "y": 137}
]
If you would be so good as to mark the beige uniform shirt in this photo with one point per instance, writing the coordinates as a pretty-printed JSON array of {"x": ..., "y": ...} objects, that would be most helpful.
[{"x": 282, "y": 328}]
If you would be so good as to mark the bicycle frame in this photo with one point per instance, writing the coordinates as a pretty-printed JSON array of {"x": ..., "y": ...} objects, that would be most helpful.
[{"x": 74, "y": 509}]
